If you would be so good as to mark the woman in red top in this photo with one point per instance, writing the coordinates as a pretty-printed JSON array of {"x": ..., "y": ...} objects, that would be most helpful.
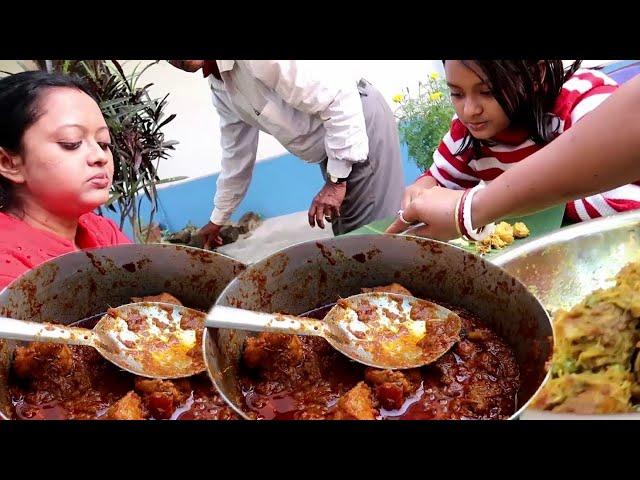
[{"x": 56, "y": 167}]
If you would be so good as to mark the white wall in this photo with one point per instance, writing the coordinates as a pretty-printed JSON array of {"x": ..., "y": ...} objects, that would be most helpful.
[
  {"x": 16, "y": 66},
  {"x": 196, "y": 124}
]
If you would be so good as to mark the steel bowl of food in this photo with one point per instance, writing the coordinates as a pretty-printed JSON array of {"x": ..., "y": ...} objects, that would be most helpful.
[{"x": 588, "y": 277}]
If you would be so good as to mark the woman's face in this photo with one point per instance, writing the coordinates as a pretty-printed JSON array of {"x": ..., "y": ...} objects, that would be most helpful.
[
  {"x": 66, "y": 164},
  {"x": 473, "y": 100}
]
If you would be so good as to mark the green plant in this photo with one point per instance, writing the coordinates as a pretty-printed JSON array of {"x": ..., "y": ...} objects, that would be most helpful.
[
  {"x": 424, "y": 119},
  {"x": 135, "y": 121}
]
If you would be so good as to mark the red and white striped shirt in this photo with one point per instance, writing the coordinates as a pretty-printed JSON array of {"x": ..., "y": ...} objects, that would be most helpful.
[{"x": 582, "y": 93}]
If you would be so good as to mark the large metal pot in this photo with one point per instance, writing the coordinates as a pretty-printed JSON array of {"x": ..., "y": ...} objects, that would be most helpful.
[
  {"x": 82, "y": 284},
  {"x": 312, "y": 274},
  {"x": 563, "y": 267}
]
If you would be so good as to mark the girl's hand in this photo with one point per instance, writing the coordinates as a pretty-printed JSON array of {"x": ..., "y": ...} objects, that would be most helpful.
[
  {"x": 415, "y": 189},
  {"x": 435, "y": 208}
]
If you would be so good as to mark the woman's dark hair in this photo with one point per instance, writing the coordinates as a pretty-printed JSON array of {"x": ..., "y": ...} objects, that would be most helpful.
[
  {"x": 20, "y": 96},
  {"x": 526, "y": 90}
]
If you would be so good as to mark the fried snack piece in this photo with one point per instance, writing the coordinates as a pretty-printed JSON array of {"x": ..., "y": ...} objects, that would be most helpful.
[{"x": 520, "y": 230}]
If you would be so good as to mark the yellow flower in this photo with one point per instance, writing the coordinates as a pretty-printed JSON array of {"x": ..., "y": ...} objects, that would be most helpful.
[
  {"x": 435, "y": 96},
  {"x": 398, "y": 98},
  {"x": 434, "y": 76}
]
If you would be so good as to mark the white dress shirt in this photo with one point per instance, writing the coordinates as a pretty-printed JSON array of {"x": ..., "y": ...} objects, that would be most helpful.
[{"x": 314, "y": 113}]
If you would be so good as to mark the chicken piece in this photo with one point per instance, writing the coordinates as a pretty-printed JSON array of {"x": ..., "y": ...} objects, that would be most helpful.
[
  {"x": 37, "y": 358},
  {"x": 58, "y": 371},
  {"x": 478, "y": 334},
  {"x": 409, "y": 379},
  {"x": 466, "y": 349},
  {"x": 390, "y": 395},
  {"x": 392, "y": 387},
  {"x": 128, "y": 407},
  {"x": 262, "y": 350},
  {"x": 356, "y": 404},
  {"x": 162, "y": 298},
  {"x": 179, "y": 389},
  {"x": 480, "y": 394},
  {"x": 162, "y": 397},
  {"x": 392, "y": 288}
]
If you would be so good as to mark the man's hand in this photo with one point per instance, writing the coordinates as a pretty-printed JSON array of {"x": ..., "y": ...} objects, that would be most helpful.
[
  {"x": 326, "y": 204},
  {"x": 211, "y": 235}
]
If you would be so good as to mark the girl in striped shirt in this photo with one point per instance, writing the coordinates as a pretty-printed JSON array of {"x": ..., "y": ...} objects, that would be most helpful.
[{"x": 508, "y": 109}]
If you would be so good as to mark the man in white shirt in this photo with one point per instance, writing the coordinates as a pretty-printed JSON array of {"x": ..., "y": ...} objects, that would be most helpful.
[{"x": 341, "y": 124}]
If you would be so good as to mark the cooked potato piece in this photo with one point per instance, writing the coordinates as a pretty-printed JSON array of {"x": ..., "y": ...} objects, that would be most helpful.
[
  {"x": 356, "y": 404},
  {"x": 128, "y": 407}
]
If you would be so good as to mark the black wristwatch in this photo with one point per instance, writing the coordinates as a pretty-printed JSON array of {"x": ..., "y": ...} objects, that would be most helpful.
[{"x": 333, "y": 179}]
